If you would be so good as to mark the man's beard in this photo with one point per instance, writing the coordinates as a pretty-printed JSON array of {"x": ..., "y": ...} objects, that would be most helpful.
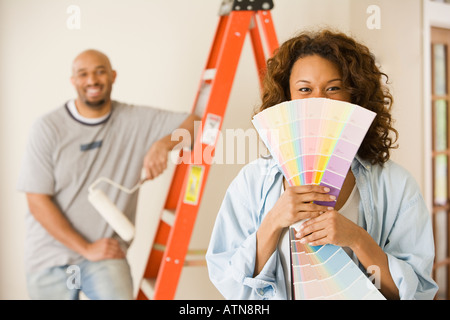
[{"x": 95, "y": 104}]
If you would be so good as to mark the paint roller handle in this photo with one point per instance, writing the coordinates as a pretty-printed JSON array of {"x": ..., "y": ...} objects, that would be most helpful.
[{"x": 115, "y": 184}]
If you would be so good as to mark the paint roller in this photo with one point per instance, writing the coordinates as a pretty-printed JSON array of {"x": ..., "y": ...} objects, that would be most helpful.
[{"x": 108, "y": 210}]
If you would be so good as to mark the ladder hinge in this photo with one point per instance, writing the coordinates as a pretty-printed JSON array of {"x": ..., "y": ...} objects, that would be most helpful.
[{"x": 244, "y": 5}]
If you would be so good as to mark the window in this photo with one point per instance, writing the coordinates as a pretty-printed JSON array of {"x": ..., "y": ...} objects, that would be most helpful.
[{"x": 440, "y": 56}]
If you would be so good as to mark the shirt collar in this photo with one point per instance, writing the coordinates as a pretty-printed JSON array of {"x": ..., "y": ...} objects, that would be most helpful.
[
  {"x": 73, "y": 112},
  {"x": 359, "y": 162}
]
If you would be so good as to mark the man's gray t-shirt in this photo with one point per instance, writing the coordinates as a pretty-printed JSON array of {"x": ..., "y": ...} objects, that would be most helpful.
[{"x": 65, "y": 156}]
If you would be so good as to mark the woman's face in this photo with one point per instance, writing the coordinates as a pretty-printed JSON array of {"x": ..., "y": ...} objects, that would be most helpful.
[{"x": 316, "y": 77}]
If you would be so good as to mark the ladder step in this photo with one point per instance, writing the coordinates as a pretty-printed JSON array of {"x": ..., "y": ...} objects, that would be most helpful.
[
  {"x": 168, "y": 216},
  {"x": 195, "y": 258},
  {"x": 209, "y": 74},
  {"x": 148, "y": 287}
]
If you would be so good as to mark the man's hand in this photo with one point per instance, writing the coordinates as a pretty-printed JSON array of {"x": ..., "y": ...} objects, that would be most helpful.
[
  {"x": 50, "y": 217},
  {"x": 106, "y": 248},
  {"x": 155, "y": 161}
]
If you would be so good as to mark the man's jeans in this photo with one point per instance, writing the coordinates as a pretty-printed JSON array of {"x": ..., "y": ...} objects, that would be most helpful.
[{"x": 100, "y": 280}]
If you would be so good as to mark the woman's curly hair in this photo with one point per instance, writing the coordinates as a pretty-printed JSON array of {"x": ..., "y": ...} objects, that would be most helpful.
[{"x": 360, "y": 75}]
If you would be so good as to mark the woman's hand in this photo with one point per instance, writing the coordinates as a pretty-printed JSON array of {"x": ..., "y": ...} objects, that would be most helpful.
[
  {"x": 333, "y": 228},
  {"x": 296, "y": 204},
  {"x": 329, "y": 228}
]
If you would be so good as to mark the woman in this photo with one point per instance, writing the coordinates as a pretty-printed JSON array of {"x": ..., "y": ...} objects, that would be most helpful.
[{"x": 380, "y": 216}]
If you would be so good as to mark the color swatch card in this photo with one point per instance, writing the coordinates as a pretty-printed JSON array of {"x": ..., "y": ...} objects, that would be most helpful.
[
  {"x": 314, "y": 141},
  {"x": 327, "y": 273}
]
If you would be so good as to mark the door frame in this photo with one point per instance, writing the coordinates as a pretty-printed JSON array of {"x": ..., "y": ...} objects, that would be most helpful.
[{"x": 435, "y": 14}]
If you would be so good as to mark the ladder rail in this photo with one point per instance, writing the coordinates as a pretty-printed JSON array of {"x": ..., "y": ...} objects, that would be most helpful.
[
  {"x": 171, "y": 242},
  {"x": 263, "y": 20},
  {"x": 268, "y": 28},
  {"x": 226, "y": 66}
]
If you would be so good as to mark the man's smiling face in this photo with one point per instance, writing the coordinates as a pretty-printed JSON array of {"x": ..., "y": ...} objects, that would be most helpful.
[{"x": 93, "y": 77}]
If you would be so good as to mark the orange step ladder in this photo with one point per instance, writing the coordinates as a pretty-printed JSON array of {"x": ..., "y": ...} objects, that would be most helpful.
[{"x": 171, "y": 242}]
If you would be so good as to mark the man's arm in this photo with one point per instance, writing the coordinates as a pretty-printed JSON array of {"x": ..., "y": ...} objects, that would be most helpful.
[
  {"x": 50, "y": 217},
  {"x": 155, "y": 161}
]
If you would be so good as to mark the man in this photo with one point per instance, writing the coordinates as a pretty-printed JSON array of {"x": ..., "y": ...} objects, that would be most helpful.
[{"x": 69, "y": 148}]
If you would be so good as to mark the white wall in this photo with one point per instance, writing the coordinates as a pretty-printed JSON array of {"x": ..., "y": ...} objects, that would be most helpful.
[
  {"x": 398, "y": 48},
  {"x": 159, "y": 49}
]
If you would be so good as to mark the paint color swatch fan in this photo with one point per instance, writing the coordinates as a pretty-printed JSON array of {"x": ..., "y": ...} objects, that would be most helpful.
[{"x": 314, "y": 141}]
